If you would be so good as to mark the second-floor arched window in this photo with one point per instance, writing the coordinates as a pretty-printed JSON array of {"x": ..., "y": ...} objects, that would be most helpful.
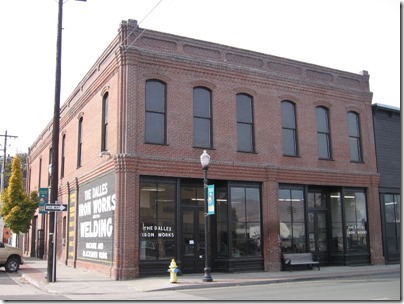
[
  {"x": 202, "y": 107},
  {"x": 155, "y": 127},
  {"x": 289, "y": 130},
  {"x": 245, "y": 123},
  {"x": 354, "y": 137},
  {"x": 104, "y": 123},
  {"x": 323, "y": 133}
]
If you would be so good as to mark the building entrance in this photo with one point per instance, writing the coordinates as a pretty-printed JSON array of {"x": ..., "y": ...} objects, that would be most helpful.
[
  {"x": 318, "y": 239},
  {"x": 317, "y": 225},
  {"x": 193, "y": 239}
]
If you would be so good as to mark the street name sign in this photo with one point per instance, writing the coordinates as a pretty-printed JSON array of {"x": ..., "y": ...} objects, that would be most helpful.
[{"x": 55, "y": 207}]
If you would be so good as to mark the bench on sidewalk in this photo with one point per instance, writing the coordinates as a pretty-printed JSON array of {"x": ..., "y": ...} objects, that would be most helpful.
[{"x": 291, "y": 259}]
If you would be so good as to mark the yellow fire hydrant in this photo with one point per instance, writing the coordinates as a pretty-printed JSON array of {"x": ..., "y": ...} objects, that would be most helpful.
[{"x": 173, "y": 270}]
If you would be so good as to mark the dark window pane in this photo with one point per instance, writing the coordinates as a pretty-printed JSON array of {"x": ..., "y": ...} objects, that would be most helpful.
[
  {"x": 322, "y": 120},
  {"x": 155, "y": 125},
  {"x": 288, "y": 115},
  {"x": 253, "y": 204},
  {"x": 353, "y": 124},
  {"x": 354, "y": 146},
  {"x": 289, "y": 142},
  {"x": 354, "y": 137},
  {"x": 155, "y": 96},
  {"x": 238, "y": 203},
  {"x": 202, "y": 132},
  {"x": 323, "y": 145},
  {"x": 244, "y": 137},
  {"x": 244, "y": 108},
  {"x": 202, "y": 101}
]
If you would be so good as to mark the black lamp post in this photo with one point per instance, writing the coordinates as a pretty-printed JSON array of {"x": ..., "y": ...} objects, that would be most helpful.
[{"x": 205, "y": 159}]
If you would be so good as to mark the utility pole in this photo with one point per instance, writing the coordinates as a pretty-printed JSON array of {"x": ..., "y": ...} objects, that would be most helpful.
[
  {"x": 5, "y": 135},
  {"x": 51, "y": 272},
  {"x": 3, "y": 166}
]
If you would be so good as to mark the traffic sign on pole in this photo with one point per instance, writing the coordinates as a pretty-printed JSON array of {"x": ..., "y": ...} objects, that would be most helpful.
[{"x": 55, "y": 207}]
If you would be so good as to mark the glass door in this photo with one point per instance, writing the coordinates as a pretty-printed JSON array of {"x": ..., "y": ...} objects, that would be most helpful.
[
  {"x": 193, "y": 239},
  {"x": 317, "y": 226},
  {"x": 318, "y": 240}
]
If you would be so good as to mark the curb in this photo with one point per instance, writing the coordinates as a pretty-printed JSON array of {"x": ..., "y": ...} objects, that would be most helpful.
[{"x": 202, "y": 285}]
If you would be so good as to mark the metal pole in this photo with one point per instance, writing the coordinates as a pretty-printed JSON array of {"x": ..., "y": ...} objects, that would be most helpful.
[
  {"x": 55, "y": 147},
  {"x": 207, "y": 277},
  {"x": 54, "y": 247}
]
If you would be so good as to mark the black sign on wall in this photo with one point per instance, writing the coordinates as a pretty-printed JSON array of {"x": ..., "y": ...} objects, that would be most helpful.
[{"x": 96, "y": 209}]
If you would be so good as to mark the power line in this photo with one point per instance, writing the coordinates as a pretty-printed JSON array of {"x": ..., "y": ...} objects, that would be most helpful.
[{"x": 137, "y": 26}]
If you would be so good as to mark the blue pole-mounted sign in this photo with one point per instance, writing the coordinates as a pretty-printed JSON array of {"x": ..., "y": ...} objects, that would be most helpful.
[
  {"x": 43, "y": 200},
  {"x": 211, "y": 199}
]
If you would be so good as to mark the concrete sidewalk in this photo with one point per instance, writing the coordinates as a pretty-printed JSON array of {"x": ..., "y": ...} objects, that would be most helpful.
[{"x": 78, "y": 281}]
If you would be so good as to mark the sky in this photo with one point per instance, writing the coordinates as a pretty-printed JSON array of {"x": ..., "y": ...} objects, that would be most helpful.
[{"x": 348, "y": 35}]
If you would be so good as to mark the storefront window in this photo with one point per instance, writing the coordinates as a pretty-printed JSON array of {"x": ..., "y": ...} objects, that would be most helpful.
[
  {"x": 246, "y": 222},
  {"x": 157, "y": 221},
  {"x": 356, "y": 221},
  {"x": 222, "y": 223},
  {"x": 292, "y": 223},
  {"x": 192, "y": 195},
  {"x": 392, "y": 216},
  {"x": 336, "y": 215}
]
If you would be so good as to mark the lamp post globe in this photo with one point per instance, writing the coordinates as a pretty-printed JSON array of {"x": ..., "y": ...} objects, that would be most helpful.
[{"x": 205, "y": 159}]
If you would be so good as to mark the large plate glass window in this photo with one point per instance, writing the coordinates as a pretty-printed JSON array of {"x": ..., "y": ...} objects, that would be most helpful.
[
  {"x": 292, "y": 222},
  {"x": 157, "y": 220}
]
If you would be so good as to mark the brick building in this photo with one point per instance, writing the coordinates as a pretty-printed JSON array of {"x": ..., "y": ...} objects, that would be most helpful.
[{"x": 292, "y": 161}]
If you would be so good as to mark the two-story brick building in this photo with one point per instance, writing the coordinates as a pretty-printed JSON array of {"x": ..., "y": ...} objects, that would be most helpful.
[{"x": 292, "y": 160}]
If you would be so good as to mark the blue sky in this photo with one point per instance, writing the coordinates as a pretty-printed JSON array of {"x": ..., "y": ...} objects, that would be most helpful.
[{"x": 349, "y": 35}]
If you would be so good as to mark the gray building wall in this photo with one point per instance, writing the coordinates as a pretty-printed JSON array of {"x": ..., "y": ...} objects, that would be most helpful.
[{"x": 387, "y": 128}]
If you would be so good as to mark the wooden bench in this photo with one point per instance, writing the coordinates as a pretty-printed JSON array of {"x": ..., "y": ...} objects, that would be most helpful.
[{"x": 290, "y": 259}]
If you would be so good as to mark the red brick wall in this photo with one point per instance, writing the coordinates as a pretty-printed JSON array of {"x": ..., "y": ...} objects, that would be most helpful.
[{"x": 182, "y": 64}]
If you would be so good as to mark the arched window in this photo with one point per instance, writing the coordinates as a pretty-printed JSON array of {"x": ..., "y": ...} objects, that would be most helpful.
[
  {"x": 202, "y": 105},
  {"x": 104, "y": 123},
  {"x": 289, "y": 130},
  {"x": 62, "y": 165},
  {"x": 323, "y": 133},
  {"x": 79, "y": 141},
  {"x": 155, "y": 129},
  {"x": 245, "y": 123},
  {"x": 354, "y": 137}
]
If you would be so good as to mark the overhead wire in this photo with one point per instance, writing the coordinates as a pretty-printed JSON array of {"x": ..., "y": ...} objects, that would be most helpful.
[{"x": 137, "y": 26}]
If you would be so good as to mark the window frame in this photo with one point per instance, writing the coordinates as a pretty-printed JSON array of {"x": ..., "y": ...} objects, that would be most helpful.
[
  {"x": 292, "y": 193},
  {"x": 288, "y": 131},
  {"x": 244, "y": 223},
  {"x": 79, "y": 142},
  {"x": 156, "y": 214},
  {"x": 104, "y": 122},
  {"x": 207, "y": 118},
  {"x": 150, "y": 138},
  {"x": 242, "y": 122},
  {"x": 63, "y": 157},
  {"x": 355, "y": 140},
  {"x": 326, "y": 139}
]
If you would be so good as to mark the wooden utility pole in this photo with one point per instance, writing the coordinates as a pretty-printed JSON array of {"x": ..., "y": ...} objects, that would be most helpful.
[{"x": 5, "y": 135}]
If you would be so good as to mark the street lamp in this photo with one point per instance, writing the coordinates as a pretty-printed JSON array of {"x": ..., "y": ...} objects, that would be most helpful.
[{"x": 205, "y": 159}]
